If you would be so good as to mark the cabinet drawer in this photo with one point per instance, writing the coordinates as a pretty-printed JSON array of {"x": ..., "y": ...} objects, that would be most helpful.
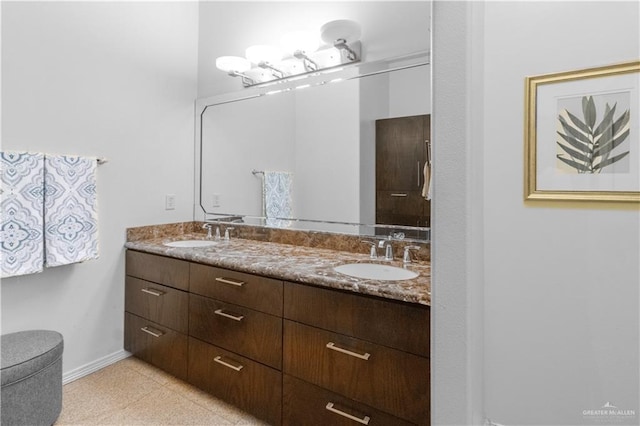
[
  {"x": 398, "y": 325},
  {"x": 158, "y": 269},
  {"x": 253, "y": 334},
  {"x": 156, "y": 344},
  {"x": 161, "y": 304},
  {"x": 393, "y": 381},
  {"x": 250, "y": 386},
  {"x": 306, "y": 404},
  {"x": 255, "y": 292},
  {"x": 401, "y": 202}
]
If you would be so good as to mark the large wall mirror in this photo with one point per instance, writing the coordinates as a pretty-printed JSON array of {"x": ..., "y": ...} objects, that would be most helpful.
[{"x": 322, "y": 131}]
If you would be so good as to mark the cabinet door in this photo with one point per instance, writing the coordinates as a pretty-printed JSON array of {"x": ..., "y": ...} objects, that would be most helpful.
[
  {"x": 157, "y": 345},
  {"x": 161, "y": 304},
  {"x": 253, "y": 291},
  {"x": 309, "y": 405},
  {"x": 242, "y": 330},
  {"x": 401, "y": 153},
  {"x": 158, "y": 269},
  {"x": 390, "y": 380},
  {"x": 249, "y": 385},
  {"x": 390, "y": 323}
]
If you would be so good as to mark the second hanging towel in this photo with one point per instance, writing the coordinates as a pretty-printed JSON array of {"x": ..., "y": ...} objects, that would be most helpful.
[
  {"x": 277, "y": 200},
  {"x": 70, "y": 210}
]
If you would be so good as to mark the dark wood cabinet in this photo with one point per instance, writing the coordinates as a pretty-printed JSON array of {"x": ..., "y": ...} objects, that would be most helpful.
[
  {"x": 285, "y": 352},
  {"x": 310, "y": 405},
  {"x": 252, "y": 333},
  {"x": 235, "y": 343},
  {"x": 253, "y": 291},
  {"x": 158, "y": 303},
  {"x": 401, "y": 153},
  {"x": 390, "y": 323},
  {"x": 156, "y": 311},
  {"x": 156, "y": 344},
  {"x": 247, "y": 384},
  {"x": 393, "y": 381},
  {"x": 158, "y": 269},
  {"x": 369, "y": 350}
]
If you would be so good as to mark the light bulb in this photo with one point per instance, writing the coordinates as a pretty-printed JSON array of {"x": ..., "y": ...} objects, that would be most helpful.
[
  {"x": 304, "y": 41},
  {"x": 264, "y": 53},
  {"x": 233, "y": 64},
  {"x": 342, "y": 29}
]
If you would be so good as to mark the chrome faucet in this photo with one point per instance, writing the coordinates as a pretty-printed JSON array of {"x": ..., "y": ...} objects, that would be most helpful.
[
  {"x": 226, "y": 233},
  {"x": 373, "y": 252},
  {"x": 208, "y": 226},
  {"x": 406, "y": 258},
  {"x": 388, "y": 252}
]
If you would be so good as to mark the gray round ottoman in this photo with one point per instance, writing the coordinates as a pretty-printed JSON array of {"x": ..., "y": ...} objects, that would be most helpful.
[{"x": 31, "y": 372}]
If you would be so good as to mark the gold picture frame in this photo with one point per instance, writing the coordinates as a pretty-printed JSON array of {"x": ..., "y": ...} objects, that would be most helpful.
[{"x": 582, "y": 135}]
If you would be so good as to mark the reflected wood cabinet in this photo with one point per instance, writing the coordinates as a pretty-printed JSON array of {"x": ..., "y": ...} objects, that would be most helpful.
[
  {"x": 401, "y": 152},
  {"x": 287, "y": 353}
]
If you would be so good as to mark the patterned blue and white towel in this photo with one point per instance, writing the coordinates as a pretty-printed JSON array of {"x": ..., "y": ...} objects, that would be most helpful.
[
  {"x": 21, "y": 239},
  {"x": 277, "y": 202},
  {"x": 70, "y": 210}
]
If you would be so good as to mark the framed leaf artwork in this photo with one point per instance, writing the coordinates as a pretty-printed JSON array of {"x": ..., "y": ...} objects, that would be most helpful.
[{"x": 582, "y": 134}]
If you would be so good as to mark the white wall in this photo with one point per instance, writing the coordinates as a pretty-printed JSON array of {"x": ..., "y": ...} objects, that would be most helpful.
[
  {"x": 327, "y": 159},
  {"x": 238, "y": 137},
  {"x": 562, "y": 280},
  {"x": 108, "y": 79},
  {"x": 559, "y": 281}
]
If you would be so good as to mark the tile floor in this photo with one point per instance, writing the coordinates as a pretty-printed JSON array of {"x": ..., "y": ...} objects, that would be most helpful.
[{"x": 132, "y": 392}]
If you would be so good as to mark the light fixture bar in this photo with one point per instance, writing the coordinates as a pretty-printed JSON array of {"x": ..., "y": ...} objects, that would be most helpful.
[
  {"x": 325, "y": 60},
  {"x": 309, "y": 64},
  {"x": 267, "y": 64},
  {"x": 341, "y": 44},
  {"x": 278, "y": 74}
]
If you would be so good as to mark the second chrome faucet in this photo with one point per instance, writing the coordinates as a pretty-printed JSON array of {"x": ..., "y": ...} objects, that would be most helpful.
[{"x": 386, "y": 244}]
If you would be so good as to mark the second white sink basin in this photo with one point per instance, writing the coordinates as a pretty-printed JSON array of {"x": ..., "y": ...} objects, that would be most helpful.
[
  {"x": 375, "y": 271},
  {"x": 191, "y": 243}
]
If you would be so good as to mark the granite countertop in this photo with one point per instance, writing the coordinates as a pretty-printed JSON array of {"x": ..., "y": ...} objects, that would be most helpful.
[{"x": 295, "y": 263}]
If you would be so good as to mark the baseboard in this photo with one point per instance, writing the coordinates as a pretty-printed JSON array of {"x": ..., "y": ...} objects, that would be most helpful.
[{"x": 94, "y": 366}]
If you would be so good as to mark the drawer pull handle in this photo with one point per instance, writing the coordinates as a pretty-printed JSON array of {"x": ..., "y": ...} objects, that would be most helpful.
[
  {"x": 148, "y": 330},
  {"x": 399, "y": 194},
  {"x": 333, "y": 346},
  {"x": 152, "y": 291},
  {"x": 222, "y": 313},
  {"x": 230, "y": 281},
  {"x": 219, "y": 360},
  {"x": 364, "y": 420}
]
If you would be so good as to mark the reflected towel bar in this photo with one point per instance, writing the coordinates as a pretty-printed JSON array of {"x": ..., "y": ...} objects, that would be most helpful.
[{"x": 257, "y": 172}]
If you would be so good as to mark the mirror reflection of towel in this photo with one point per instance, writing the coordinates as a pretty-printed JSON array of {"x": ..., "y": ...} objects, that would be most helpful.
[
  {"x": 277, "y": 202},
  {"x": 426, "y": 188}
]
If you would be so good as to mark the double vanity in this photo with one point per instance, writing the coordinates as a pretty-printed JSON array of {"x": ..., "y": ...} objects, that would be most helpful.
[{"x": 277, "y": 330}]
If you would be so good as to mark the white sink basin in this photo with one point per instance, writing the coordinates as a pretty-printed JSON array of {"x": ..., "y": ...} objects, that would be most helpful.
[
  {"x": 191, "y": 243},
  {"x": 374, "y": 271}
]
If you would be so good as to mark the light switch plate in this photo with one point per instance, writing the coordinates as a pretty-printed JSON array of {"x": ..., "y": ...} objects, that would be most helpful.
[{"x": 170, "y": 202}]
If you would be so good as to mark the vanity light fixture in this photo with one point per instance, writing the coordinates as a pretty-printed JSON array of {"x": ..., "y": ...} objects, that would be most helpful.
[
  {"x": 300, "y": 44},
  {"x": 266, "y": 57},
  {"x": 339, "y": 33},
  {"x": 302, "y": 55},
  {"x": 235, "y": 66}
]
